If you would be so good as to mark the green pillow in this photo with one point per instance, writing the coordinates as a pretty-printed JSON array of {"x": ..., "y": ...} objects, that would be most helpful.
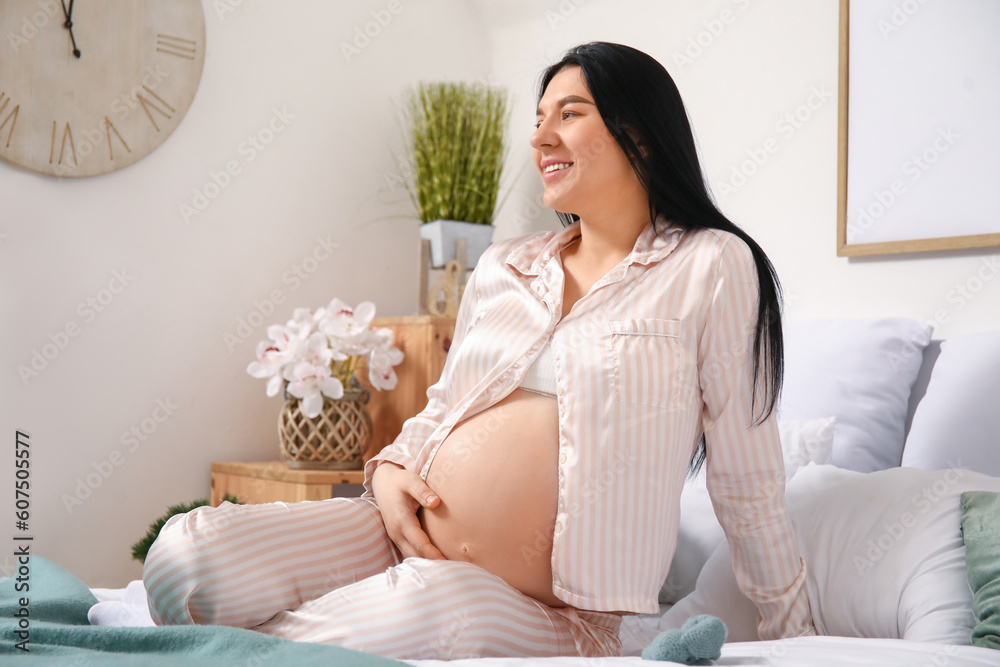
[{"x": 981, "y": 529}]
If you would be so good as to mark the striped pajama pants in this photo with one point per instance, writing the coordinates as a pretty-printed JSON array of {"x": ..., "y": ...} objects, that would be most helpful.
[{"x": 326, "y": 571}]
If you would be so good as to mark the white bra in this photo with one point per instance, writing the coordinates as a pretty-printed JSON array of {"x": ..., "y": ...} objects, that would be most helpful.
[{"x": 540, "y": 377}]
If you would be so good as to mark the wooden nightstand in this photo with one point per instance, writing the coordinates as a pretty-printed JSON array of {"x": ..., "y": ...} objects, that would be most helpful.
[{"x": 272, "y": 481}]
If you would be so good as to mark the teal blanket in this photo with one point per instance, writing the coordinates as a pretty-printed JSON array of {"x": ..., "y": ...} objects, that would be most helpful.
[{"x": 53, "y": 627}]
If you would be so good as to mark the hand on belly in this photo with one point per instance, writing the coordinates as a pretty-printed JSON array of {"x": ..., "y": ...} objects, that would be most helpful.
[{"x": 497, "y": 476}]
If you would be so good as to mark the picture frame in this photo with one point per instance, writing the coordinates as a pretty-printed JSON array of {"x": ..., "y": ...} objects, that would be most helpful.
[{"x": 917, "y": 162}]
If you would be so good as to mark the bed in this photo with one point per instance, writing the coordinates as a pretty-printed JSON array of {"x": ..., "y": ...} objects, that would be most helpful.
[{"x": 891, "y": 449}]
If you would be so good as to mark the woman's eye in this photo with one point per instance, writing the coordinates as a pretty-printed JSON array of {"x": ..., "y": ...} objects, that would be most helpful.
[{"x": 564, "y": 116}]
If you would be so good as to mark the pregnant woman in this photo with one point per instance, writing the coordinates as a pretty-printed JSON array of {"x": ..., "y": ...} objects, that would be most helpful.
[{"x": 534, "y": 501}]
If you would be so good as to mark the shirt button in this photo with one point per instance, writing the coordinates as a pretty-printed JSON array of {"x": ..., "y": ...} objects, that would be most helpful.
[
  {"x": 562, "y": 457},
  {"x": 558, "y": 528}
]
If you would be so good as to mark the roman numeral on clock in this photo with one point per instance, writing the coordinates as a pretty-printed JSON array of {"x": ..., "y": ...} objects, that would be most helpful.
[
  {"x": 67, "y": 132},
  {"x": 176, "y": 46},
  {"x": 11, "y": 116},
  {"x": 147, "y": 105},
  {"x": 108, "y": 128}
]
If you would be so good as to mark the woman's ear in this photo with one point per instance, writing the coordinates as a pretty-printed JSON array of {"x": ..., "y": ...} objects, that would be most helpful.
[{"x": 638, "y": 140}]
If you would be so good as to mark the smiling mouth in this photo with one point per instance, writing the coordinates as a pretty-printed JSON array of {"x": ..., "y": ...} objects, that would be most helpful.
[{"x": 559, "y": 166}]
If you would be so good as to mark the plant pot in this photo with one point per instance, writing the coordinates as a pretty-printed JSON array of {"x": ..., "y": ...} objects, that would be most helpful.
[
  {"x": 443, "y": 235},
  {"x": 337, "y": 438}
]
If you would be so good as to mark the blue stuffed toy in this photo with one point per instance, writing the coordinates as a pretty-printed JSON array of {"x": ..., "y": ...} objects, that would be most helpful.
[{"x": 698, "y": 642}]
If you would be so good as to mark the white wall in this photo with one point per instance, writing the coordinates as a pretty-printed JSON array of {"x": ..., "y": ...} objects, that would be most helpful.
[
  {"x": 324, "y": 175},
  {"x": 161, "y": 338}
]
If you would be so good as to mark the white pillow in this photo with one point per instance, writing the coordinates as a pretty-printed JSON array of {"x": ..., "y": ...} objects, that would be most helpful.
[
  {"x": 861, "y": 371},
  {"x": 806, "y": 441},
  {"x": 718, "y": 594},
  {"x": 957, "y": 423},
  {"x": 699, "y": 532},
  {"x": 884, "y": 554}
]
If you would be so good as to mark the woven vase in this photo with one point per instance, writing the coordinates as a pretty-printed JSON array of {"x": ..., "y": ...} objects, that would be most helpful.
[{"x": 335, "y": 439}]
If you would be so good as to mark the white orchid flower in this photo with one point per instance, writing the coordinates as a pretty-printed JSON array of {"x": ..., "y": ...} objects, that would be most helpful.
[
  {"x": 310, "y": 383},
  {"x": 274, "y": 356},
  {"x": 349, "y": 325},
  {"x": 317, "y": 352},
  {"x": 336, "y": 347},
  {"x": 304, "y": 322},
  {"x": 377, "y": 337},
  {"x": 355, "y": 349},
  {"x": 380, "y": 366},
  {"x": 270, "y": 364}
]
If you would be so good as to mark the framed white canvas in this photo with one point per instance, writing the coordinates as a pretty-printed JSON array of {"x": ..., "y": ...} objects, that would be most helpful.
[{"x": 919, "y": 136}]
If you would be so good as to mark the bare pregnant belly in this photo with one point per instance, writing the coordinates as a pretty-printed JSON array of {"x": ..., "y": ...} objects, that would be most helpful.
[{"x": 496, "y": 474}]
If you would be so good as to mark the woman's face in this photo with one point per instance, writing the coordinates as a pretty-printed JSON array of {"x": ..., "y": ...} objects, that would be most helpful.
[{"x": 583, "y": 168}]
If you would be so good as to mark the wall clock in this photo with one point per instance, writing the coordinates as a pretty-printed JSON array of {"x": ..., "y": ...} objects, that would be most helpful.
[{"x": 91, "y": 86}]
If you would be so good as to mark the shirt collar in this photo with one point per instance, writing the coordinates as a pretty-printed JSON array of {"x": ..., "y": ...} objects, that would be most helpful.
[{"x": 531, "y": 257}]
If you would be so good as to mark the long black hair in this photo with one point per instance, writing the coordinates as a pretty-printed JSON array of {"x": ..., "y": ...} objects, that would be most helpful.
[{"x": 640, "y": 104}]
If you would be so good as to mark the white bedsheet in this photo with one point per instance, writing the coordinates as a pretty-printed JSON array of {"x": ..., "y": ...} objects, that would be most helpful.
[{"x": 801, "y": 652}]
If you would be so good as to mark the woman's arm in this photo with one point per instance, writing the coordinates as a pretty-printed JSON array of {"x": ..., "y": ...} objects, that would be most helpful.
[
  {"x": 398, "y": 488},
  {"x": 745, "y": 475},
  {"x": 417, "y": 430}
]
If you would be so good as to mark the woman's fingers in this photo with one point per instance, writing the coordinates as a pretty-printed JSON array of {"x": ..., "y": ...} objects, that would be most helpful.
[
  {"x": 419, "y": 544},
  {"x": 422, "y": 493},
  {"x": 400, "y": 494}
]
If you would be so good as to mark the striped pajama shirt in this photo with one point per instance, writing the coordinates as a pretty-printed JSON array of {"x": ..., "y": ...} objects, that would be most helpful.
[
  {"x": 654, "y": 355},
  {"x": 658, "y": 352}
]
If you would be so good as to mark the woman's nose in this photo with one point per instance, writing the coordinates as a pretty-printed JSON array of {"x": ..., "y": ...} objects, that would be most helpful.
[{"x": 543, "y": 136}]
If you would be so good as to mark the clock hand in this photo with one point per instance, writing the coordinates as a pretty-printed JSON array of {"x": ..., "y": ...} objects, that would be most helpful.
[{"x": 69, "y": 25}]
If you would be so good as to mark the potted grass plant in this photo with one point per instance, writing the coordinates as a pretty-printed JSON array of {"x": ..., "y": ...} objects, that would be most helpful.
[{"x": 456, "y": 141}]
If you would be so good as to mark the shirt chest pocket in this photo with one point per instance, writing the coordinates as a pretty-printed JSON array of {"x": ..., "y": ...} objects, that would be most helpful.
[{"x": 647, "y": 357}]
